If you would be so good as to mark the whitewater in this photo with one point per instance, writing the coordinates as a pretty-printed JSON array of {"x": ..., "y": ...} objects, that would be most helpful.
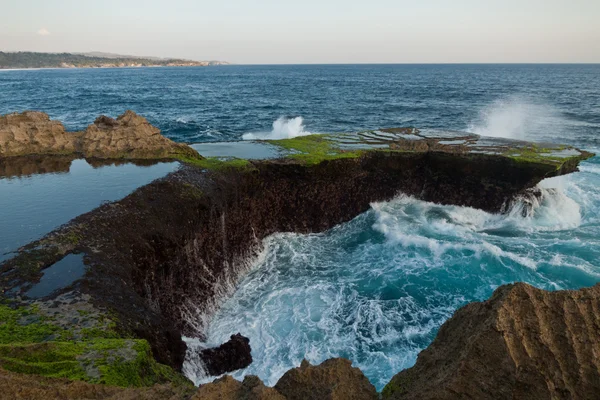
[{"x": 376, "y": 290}]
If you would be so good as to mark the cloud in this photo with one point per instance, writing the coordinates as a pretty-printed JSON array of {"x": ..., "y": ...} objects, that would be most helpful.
[{"x": 43, "y": 32}]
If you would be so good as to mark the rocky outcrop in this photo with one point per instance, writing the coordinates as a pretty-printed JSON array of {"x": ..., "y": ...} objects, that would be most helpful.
[
  {"x": 227, "y": 388},
  {"x": 130, "y": 136},
  {"x": 334, "y": 379},
  {"x": 33, "y": 132},
  {"x": 162, "y": 256},
  {"x": 228, "y": 357},
  {"x": 522, "y": 343},
  {"x": 160, "y": 259}
]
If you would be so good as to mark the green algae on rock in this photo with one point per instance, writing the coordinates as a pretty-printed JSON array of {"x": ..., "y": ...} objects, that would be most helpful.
[
  {"x": 159, "y": 259},
  {"x": 69, "y": 338}
]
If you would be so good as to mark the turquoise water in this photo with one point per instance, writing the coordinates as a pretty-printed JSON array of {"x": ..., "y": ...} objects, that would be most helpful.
[{"x": 375, "y": 289}]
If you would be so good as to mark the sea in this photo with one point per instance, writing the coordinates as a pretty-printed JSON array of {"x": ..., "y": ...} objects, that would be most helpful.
[{"x": 376, "y": 289}]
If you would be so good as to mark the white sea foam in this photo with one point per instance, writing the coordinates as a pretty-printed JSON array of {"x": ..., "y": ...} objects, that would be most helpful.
[
  {"x": 517, "y": 117},
  {"x": 283, "y": 128},
  {"x": 375, "y": 290}
]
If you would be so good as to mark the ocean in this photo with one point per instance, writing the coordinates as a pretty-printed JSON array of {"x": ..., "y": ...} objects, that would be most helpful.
[{"x": 376, "y": 289}]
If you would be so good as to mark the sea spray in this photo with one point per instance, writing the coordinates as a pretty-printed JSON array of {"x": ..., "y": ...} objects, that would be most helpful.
[
  {"x": 375, "y": 290},
  {"x": 518, "y": 117},
  {"x": 283, "y": 128}
]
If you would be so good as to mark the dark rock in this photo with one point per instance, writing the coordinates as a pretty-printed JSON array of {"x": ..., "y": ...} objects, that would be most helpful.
[
  {"x": 228, "y": 357},
  {"x": 104, "y": 122},
  {"x": 334, "y": 379},
  {"x": 522, "y": 343}
]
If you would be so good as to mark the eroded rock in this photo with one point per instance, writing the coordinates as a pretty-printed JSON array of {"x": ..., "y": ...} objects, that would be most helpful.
[
  {"x": 522, "y": 343},
  {"x": 130, "y": 136},
  {"x": 334, "y": 379},
  {"x": 33, "y": 132},
  {"x": 227, "y": 388},
  {"x": 230, "y": 356}
]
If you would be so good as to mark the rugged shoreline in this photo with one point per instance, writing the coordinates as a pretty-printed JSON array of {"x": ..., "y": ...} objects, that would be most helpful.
[{"x": 159, "y": 259}]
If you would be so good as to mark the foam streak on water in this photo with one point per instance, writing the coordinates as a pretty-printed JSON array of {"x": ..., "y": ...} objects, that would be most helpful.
[{"x": 376, "y": 290}]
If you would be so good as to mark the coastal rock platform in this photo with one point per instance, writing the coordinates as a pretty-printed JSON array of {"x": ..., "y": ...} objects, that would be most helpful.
[{"x": 158, "y": 262}]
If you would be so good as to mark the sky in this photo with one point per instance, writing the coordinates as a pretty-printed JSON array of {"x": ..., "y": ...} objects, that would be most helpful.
[{"x": 311, "y": 31}]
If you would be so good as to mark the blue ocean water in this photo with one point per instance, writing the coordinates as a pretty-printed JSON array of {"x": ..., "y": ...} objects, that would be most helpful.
[{"x": 376, "y": 289}]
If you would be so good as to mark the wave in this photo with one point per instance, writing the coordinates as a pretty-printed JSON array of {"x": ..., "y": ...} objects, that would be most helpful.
[
  {"x": 518, "y": 117},
  {"x": 375, "y": 290},
  {"x": 440, "y": 229},
  {"x": 283, "y": 128}
]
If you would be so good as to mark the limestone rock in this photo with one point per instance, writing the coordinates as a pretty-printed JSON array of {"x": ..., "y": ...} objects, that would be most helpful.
[
  {"x": 228, "y": 388},
  {"x": 522, "y": 343},
  {"x": 130, "y": 136},
  {"x": 33, "y": 132},
  {"x": 230, "y": 356},
  {"x": 334, "y": 379}
]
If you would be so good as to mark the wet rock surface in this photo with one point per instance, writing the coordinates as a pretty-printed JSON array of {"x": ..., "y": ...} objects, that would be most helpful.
[
  {"x": 160, "y": 258},
  {"x": 228, "y": 357},
  {"x": 522, "y": 343}
]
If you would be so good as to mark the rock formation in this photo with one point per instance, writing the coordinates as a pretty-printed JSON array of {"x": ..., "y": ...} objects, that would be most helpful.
[
  {"x": 228, "y": 388},
  {"x": 160, "y": 258},
  {"x": 334, "y": 379},
  {"x": 522, "y": 343},
  {"x": 130, "y": 136},
  {"x": 228, "y": 357},
  {"x": 33, "y": 133}
]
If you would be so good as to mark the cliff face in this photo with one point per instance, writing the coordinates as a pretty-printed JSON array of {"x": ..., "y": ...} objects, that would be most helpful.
[
  {"x": 130, "y": 136},
  {"x": 522, "y": 343},
  {"x": 161, "y": 259}
]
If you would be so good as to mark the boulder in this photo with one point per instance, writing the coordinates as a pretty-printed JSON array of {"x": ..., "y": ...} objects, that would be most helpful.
[
  {"x": 130, "y": 136},
  {"x": 228, "y": 357},
  {"x": 33, "y": 132},
  {"x": 522, "y": 343},
  {"x": 334, "y": 379},
  {"x": 227, "y": 388}
]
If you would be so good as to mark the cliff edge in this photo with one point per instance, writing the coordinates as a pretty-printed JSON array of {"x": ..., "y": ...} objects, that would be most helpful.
[{"x": 522, "y": 343}]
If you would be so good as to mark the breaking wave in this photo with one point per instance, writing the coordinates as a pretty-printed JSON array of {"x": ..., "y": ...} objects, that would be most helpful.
[
  {"x": 517, "y": 117},
  {"x": 283, "y": 128},
  {"x": 375, "y": 290}
]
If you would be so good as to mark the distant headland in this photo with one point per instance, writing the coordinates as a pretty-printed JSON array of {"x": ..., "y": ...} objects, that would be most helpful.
[{"x": 25, "y": 60}]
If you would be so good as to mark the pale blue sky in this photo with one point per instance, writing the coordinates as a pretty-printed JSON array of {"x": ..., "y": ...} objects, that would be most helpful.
[{"x": 311, "y": 31}]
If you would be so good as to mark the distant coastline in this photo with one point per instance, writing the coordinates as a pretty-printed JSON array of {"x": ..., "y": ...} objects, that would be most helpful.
[{"x": 33, "y": 60}]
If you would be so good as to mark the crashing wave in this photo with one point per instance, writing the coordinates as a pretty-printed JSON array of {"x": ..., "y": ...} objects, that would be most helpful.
[{"x": 283, "y": 128}]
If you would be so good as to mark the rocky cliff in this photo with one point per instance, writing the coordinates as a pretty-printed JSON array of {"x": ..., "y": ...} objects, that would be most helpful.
[
  {"x": 160, "y": 260},
  {"x": 522, "y": 343}
]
